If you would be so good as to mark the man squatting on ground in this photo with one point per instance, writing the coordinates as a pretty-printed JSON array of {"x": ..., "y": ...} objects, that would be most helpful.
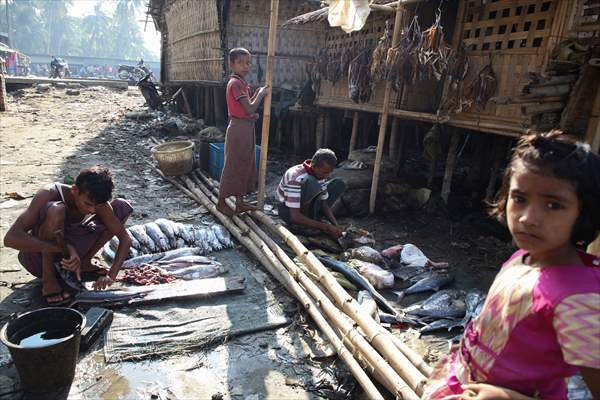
[
  {"x": 80, "y": 218},
  {"x": 306, "y": 195},
  {"x": 239, "y": 170}
]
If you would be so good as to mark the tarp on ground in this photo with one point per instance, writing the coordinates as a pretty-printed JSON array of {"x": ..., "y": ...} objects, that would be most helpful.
[{"x": 172, "y": 327}]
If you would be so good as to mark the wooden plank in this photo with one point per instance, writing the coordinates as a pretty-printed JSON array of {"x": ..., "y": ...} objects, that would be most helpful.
[
  {"x": 355, "y": 119},
  {"x": 450, "y": 162}
]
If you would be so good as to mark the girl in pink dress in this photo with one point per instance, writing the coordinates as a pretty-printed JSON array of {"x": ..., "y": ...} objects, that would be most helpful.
[{"x": 541, "y": 320}]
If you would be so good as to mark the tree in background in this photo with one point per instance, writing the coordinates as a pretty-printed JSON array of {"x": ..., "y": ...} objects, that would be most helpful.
[{"x": 44, "y": 26}]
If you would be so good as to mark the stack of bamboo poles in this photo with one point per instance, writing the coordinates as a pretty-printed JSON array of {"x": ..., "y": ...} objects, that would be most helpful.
[{"x": 359, "y": 341}]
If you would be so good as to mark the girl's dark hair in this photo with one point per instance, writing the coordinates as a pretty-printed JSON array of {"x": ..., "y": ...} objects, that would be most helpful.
[
  {"x": 97, "y": 183},
  {"x": 559, "y": 155}
]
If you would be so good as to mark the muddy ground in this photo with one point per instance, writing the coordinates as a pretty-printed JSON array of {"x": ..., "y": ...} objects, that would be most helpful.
[{"x": 47, "y": 137}]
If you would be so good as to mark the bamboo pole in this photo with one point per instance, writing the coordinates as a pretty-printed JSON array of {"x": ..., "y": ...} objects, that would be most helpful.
[
  {"x": 410, "y": 354},
  {"x": 394, "y": 138},
  {"x": 385, "y": 372},
  {"x": 384, "y": 118},
  {"x": 324, "y": 274},
  {"x": 264, "y": 141},
  {"x": 378, "y": 336},
  {"x": 354, "y": 132},
  {"x": 266, "y": 257}
]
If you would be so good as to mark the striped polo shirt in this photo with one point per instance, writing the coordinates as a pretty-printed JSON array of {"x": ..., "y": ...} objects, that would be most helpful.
[{"x": 290, "y": 186}]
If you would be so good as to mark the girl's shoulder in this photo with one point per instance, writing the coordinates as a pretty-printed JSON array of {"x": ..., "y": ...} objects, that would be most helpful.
[{"x": 557, "y": 283}]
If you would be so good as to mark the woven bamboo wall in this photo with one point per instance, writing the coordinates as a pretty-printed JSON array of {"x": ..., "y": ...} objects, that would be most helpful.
[
  {"x": 248, "y": 26},
  {"x": 193, "y": 50},
  {"x": 516, "y": 35}
]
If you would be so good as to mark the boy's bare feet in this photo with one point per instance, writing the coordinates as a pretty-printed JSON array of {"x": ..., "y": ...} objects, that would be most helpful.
[
  {"x": 244, "y": 207},
  {"x": 53, "y": 292},
  {"x": 224, "y": 208}
]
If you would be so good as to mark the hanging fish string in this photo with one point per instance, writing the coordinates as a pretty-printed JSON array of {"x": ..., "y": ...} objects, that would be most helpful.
[
  {"x": 453, "y": 100},
  {"x": 360, "y": 82},
  {"x": 378, "y": 63},
  {"x": 401, "y": 61}
]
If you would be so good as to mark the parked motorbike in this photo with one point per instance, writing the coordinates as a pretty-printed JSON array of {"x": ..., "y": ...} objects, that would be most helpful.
[
  {"x": 59, "y": 68},
  {"x": 149, "y": 91},
  {"x": 131, "y": 73}
]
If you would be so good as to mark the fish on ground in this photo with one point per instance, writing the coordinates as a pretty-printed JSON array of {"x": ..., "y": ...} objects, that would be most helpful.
[
  {"x": 367, "y": 303},
  {"x": 377, "y": 276},
  {"x": 191, "y": 259},
  {"x": 167, "y": 227},
  {"x": 100, "y": 297},
  {"x": 159, "y": 238},
  {"x": 393, "y": 252},
  {"x": 358, "y": 280},
  {"x": 199, "y": 271},
  {"x": 474, "y": 302},
  {"x": 440, "y": 324},
  {"x": 223, "y": 235},
  {"x": 140, "y": 235},
  {"x": 447, "y": 304},
  {"x": 167, "y": 255},
  {"x": 432, "y": 282},
  {"x": 368, "y": 254}
]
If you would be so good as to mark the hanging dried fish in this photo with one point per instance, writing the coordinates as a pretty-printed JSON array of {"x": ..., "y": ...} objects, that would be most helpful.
[
  {"x": 334, "y": 69},
  {"x": 402, "y": 60},
  {"x": 433, "y": 52},
  {"x": 483, "y": 87},
  {"x": 378, "y": 64},
  {"x": 345, "y": 59},
  {"x": 458, "y": 65},
  {"x": 360, "y": 84}
]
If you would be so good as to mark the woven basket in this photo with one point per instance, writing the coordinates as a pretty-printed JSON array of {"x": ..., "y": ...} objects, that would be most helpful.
[{"x": 174, "y": 158}]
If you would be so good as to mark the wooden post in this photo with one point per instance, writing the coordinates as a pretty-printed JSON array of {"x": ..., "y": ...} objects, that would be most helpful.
[
  {"x": 499, "y": 154},
  {"x": 218, "y": 101},
  {"x": 264, "y": 141},
  {"x": 2, "y": 93},
  {"x": 279, "y": 133},
  {"x": 354, "y": 132},
  {"x": 208, "y": 107},
  {"x": 296, "y": 122},
  {"x": 186, "y": 104},
  {"x": 394, "y": 138},
  {"x": 384, "y": 117},
  {"x": 450, "y": 162},
  {"x": 319, "y": 131}
]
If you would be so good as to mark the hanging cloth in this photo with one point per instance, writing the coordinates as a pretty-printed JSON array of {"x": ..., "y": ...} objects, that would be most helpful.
[{"x": 350, "y": 15}]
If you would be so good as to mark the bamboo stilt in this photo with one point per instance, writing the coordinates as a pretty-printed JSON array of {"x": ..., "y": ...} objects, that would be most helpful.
[
  {"x": 384, "y": 118},
  {"x": 393, "y": 138},
  {"x": 354, "y": 132},
  {"x": 319, "y": 131},
  {"x": 266, "y": 122},
  {"x": 450, "y": 162}
]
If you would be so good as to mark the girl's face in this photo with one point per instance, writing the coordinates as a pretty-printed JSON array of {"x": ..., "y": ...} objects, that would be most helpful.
[{"x": 541, "y": 211}]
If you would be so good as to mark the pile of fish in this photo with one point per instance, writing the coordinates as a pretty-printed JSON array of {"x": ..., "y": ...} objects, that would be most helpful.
[{"x": 164, "y": 235}]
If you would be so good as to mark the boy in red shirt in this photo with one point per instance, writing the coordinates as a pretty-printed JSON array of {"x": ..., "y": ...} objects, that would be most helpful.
[{"x": 239, "y": 171}]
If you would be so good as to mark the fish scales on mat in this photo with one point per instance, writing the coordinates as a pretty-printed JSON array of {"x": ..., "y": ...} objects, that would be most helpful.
[{"x": 159, "y": 238}]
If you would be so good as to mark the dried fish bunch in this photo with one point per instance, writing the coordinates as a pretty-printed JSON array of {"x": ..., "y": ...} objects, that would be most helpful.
[
  {"x": 378, "y": 63},
  {"x": 334, "y": 69},
  {"x": 345, "y": 59},
  {"x": 458, "y": 65},
  {"x": 360, "y": 83},
  {"x": 433, "y": 52},
  {"x": 483, "y": 87},
  {"x": 402, "y": 60}
]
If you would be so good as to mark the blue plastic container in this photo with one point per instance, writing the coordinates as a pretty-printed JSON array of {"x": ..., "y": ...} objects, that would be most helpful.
[{"x": 216, "y": 159}]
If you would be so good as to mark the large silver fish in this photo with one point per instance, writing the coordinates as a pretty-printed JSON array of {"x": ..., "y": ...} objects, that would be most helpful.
[
  {"x": 198, "y": 271},
  {"x": 222, "y": 235},
  {"x": 114, "y": 243},
  {"x": 167, "y": 255},
  {"x": 432, "y": 282},
  {"x": 167, "y": 227},
  {"x": 139, "y": 233},
  {"x": 440, "y": 324},
  {"x": 159, "y": 238},
  {"x": 187, "y": 233},
  {"x": 191, "y": 259},
  {"x": 216, "y": 243},
  {"x": 474, "y": 301},
  {"x": 443, "y": 304}
]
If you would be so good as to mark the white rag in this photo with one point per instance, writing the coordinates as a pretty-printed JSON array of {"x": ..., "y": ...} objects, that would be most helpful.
[
  {"x": 413, "y": 256},
  {"x": 350, "y": 15}
]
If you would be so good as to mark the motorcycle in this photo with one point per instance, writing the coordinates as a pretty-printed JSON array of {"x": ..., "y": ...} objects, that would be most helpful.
[
  {"x": 59, "y": 69},
  {"x": 131, "y": 73},
  {"x": 150, "y": 92}
]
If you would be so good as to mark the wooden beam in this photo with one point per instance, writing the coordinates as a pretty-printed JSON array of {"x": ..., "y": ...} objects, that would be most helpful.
[
  {"x": 354, "y": 132},
  {"x": 384, "y": 118},
  {"x": 264, "y": 142}
]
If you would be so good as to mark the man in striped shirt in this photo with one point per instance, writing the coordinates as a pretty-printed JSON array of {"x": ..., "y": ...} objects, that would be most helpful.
[{"x": 306, "y": 195}]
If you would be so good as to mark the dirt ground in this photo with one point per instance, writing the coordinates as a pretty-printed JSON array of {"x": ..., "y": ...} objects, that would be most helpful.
[{"x": 46, "y": 137}]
